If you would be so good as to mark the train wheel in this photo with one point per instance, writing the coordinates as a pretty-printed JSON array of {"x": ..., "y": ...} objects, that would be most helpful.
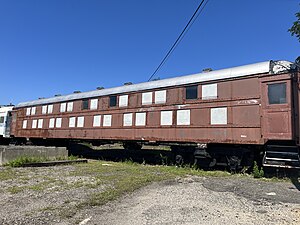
[
  {"x": 234, "y": 163},
  {"x": 179, "y": 160}
]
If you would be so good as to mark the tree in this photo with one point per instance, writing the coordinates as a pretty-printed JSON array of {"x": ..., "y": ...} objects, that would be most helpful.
[{"x": 295, "y": 29}]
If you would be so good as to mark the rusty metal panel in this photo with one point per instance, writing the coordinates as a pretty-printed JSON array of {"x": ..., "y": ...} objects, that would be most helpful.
[
  {"x": 246, "y": 88},
  {"x": 246, "y": 115},
  {"x": 200, "y": 117},
  {"x": 173, "y": 96},
  {"x": 241, "y": 98},
  {"x": 276, "y": 118},
  {"x": 133, "y": 100}
]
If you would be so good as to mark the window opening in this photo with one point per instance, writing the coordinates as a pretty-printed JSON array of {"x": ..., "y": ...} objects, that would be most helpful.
[
  {"x": 277, "y": 93},
  {"x": 85, "y": 104},
  {"x": 112, "y": 101},
  {"x": 191, "y": 92}
]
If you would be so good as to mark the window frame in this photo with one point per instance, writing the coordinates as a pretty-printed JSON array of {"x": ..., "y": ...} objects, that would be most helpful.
[
  {"x": 110, "y": 100},
  {"x": 286, "y": 94},
  {"x": 186, "y": 92},
  {"x": 85, "y": 103}
]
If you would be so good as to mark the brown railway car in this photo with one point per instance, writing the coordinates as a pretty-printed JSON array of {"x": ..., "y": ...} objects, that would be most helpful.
[{"x": 224, "y": 117}]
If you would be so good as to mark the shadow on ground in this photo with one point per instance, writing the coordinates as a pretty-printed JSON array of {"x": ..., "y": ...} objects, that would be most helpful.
[
  {"x": 149, "y": 156},
  {"x": 292, "y": 174}
]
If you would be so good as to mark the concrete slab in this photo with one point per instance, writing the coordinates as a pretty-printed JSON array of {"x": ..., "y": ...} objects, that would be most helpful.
[{"x": 11, "y": 152}]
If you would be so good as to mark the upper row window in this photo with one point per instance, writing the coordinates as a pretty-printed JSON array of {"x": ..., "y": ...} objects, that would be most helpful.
[
  {"x": 191, "y": 92},
  {"x": 123, "y": 100},
  {"x": 160, "y": 97},
  {"x": 209, "y": 91},
  {"x": 30, "y": 111},
  {"x": 47, "y": 109},
  {"x": 277, "y": 93},
  {"x": 113, "y": 101},
  {"x": 85, "y": 104},
  {"x": 1, "y": 119}
]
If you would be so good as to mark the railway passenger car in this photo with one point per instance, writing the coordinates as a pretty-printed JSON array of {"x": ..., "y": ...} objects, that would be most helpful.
[
  {"x": 5, "y": 120},
  {"x": 224, "y": 117}
]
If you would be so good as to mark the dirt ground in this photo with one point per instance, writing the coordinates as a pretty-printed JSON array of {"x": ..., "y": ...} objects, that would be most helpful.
[
  {"x": 204, "y": 200},
  {"x": 188, "y": 200}
]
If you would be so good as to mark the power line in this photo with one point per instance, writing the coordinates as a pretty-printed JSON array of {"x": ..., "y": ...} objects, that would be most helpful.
[{"x": 182, "y": 34}]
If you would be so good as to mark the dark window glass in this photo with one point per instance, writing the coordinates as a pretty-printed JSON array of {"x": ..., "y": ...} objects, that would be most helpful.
[
  {"x": 85, "y": 104},
  {"x": 277, "y": 93},
  {"x": 191, "y": 92},
  {"x": 112, "y": 101},
  {"x": 1, "y": 119}
]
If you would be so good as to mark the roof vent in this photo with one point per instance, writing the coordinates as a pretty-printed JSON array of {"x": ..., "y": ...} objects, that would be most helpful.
[
  {"x": 128, "y": 83},
  {"x": 100, "y": 88},
  {"x": 41, "y": 97},
  {"x": 155, "y": 79},
  {"x": 206, "y": 70},
  {"x": 77, "y": 92},
  {"x": 57, "y": 95}
]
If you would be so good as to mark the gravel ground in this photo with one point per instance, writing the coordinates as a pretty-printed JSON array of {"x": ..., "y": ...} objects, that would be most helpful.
[
  {"x": 196, "y": 200},
  {"x": 191, "y": 200}
]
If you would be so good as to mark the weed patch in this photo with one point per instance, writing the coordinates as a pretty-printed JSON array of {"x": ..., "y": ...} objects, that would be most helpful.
[{"x": 257, "y": 173}]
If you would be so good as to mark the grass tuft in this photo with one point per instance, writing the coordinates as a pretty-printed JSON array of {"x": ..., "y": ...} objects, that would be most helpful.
[
  {"x": 257, "y": 173},
  {"x": 23, "y": 160}
]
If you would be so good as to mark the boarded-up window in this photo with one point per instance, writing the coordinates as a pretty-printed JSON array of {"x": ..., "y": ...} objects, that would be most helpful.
[
  {"x": 209, "y": 91},
  {"x": 80, "y": 121},
  {"x": 70, "y": 107},
  {"x": 34, "y": 124},
  {"x": 44, "y": 109},
  {"x": 97, "y": 121},
  {"x": 127, "y": 119},
  {"x": 166, "y": 118},
  {"x": 147, "y": 98},
  {"x": 33, "y": 110},
  {"x": 63, "y": 107},
  {"x": 28, "y": 110},
  {"x": 160, "y": 97},
  {"x": 72, "y": 121},
  {"x": 94, "y": 104},
  {"x": 40, "y": 123},
  {"x": 50, "y": 109},
  {"x": 58, "y": 122},
  {"x": 218, "y": 116},
  {"x": 183, "y": 117},
  {"x": 140, "y": 119},
  {"x": 24, "y": 124},
  {"x": 107, "y": 120},
  {"x": 123, "y": 101},
  {"x": 51, "y": 123}
]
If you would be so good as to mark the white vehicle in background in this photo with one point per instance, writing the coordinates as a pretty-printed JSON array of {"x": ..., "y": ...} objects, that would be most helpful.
[{"x": 5, "y": 120}]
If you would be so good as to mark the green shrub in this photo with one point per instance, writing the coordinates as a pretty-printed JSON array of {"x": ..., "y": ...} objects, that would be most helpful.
[
  {"x": 21, "y": 161},
  {"x": 24, "y": 160},
  {"x": 257, "y": 173}
]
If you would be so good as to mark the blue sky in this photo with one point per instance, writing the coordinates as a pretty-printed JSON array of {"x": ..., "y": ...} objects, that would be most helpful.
[{"x": 50, "y": 47}]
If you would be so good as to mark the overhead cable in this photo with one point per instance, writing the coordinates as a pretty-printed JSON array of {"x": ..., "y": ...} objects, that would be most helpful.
[{"x": 182, "y": 34}]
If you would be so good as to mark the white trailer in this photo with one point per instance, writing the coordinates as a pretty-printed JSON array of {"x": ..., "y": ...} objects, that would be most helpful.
[{"x": 5, "y": 119}]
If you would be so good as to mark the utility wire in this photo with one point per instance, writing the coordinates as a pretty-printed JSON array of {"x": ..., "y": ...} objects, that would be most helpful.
[{"x": 182, "y": 34}]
